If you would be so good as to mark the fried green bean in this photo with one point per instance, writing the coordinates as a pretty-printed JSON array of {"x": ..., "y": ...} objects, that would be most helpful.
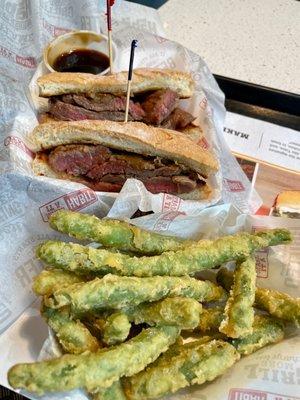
[
  {"x": 194, "y": 364},
  {"x": 93, "y": 371},
  {"x": 115, "y": 292},
  {"x": 73, "y": 336},
  {"x": 202, "y": 255},
  {"x": 48, "y": 281},
  {"x": 114, "y": 392},
  {"x": 115, "y": 328},
  {"x": 239, "y": 313},
  {"x": 277, "y": 304},
  {"x": 113, "y": 233},
  {"x": 210, "y": 319},
  {"x": 266, "y": 330},
  {"x": 224, "y": 278},
  {"x": 178, "y": 311}
]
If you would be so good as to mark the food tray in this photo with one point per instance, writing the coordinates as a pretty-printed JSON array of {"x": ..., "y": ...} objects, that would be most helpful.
[{"x": 267, "y": 104}]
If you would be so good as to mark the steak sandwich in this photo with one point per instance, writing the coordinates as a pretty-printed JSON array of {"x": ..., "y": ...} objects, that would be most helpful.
[
  {"x": 103, "y": 154},
  {"x": 155, "y": 97}
]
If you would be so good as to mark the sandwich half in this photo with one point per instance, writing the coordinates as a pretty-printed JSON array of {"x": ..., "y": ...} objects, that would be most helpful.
[
  {"x": 103, "y": 154},
  {"x": 155, "y": 97},
  {"x": 287, "y": 204}
]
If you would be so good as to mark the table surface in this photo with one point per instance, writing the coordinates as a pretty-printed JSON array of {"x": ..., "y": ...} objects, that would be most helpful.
[{"x": 254, "y": 41}]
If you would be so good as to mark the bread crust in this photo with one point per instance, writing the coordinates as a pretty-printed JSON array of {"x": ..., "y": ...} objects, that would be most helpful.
[
  {"x": 45, "y": 117},
  {"x": 41, "y": 167},
  {"x": 134, "y": 137},
  {"x": 143, "y": 80},
  {"x": 288, "y": 197}
]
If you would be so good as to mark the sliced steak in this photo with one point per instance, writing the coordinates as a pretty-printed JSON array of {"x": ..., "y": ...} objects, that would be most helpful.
[
  {"x": 184, "y": 184},
  {"x": 159, "y": 105},
  {"x": 109, "y": 102},
  {"x": 105, "y": 186},
  {"x": 160, "y": 185},
  {"x": 136, "y": 162},
  {"x": 104, "y": 102},
  {"x": 103, "y": 169},
  {"x": 178, "y": 119},
  {"x": 116, "y": 179},
  {"x": 66, "y": 98},
  {"x": 77, "y": 160},
  {"x": 168, "y": 170},
  {"x": 108, "y": 167},
  {"x": 69, "y": 112}
]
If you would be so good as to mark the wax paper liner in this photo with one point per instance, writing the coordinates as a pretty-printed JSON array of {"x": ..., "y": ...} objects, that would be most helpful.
[
  {"x": 271, "y": 370},
  {"x": 19, "y": 104}
]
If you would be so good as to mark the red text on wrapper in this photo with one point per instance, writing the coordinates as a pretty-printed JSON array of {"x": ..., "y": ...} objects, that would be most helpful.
[
  {"x": 261, "y": 258},
  {"x": 249, "y": 394},
  {"x": 54, "y": 30},
  {"x": 170, "y": 203},
  {"x": 16, "y": 141},
  {"x": 202, "y": 142},
  {"x": 28, "y": 62},
  {"x": 74, "y": 201},
  {"x": 203, "y": 103},
  {"x": 234, "y": 186},
  {"x": 163, "y": 222}
]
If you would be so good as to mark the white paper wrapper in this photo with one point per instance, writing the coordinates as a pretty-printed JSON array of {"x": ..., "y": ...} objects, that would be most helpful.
[
  {"x": 19, "y": 104},
  {"x": 27, "y": 201}
]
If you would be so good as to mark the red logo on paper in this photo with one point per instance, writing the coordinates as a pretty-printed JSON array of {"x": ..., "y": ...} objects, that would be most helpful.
[
  {"x": 54, "y": 30},
  {"x": 246, "y": 394},
  {"x": 74, "y": 201},
  {"x": 15, "y": 141},
  {"x": 170, "y": 202},
  {"x": 160, "y": 39},
  {"x": 203, "y": 103},
  {"x": 234, "y": 186},
  {"x": 250, "y": 394},
  {"x": 203, "y": 143},
  {"x": 261, "y": 258},
  {"x": 28, "y": 62},
  {"x": 262, "y": 264},
  {"x": 163, "y": 223}
]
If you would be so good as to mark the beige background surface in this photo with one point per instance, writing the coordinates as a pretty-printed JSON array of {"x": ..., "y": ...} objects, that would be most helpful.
[
  {"x": 270, "y": 179},
  {"x": 255, "y": 41}
]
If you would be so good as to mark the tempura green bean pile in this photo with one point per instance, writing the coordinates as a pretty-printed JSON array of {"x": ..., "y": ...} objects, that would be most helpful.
[{"x": 118, "y": 311}]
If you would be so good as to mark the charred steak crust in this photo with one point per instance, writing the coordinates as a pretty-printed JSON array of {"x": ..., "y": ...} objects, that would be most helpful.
[
  {"x": 104, "y": 169},
  {"x": 74, "y": 107},
  {"x": 159, "y": 105},
  {"x": 70, "y": 112},
  {"x": 178, "y": 119},
  {"x": 157, "y": 108}
]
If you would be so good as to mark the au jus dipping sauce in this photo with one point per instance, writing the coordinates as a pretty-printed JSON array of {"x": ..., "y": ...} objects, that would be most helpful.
[{"x": 82, "y": 60}]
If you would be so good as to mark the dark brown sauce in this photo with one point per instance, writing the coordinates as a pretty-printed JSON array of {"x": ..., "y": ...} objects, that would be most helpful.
[{"x": 81, "y": 60}]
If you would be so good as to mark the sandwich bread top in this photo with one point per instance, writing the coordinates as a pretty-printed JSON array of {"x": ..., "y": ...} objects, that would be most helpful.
[
  {"x": 143, "y": 80},
  {"x": 134, "y": 137}
]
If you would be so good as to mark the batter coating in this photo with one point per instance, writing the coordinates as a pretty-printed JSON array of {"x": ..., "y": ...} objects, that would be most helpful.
[
  {"x": 202, "y": 255},
  {"x": 277, "y": 304},
  {"x": 266, "y": 330},
  {"x": 239, "y": 313},
  {"x": 194, "y": 363},
  {"x": 115, "y": 292},
  {"x": 177, "y": 311},
  {"x": 50, "y": 280},
  {"x": 74, "y": 371},
  {"x": 113, "y": 233},
  {"x": 73, "y": 335}
]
